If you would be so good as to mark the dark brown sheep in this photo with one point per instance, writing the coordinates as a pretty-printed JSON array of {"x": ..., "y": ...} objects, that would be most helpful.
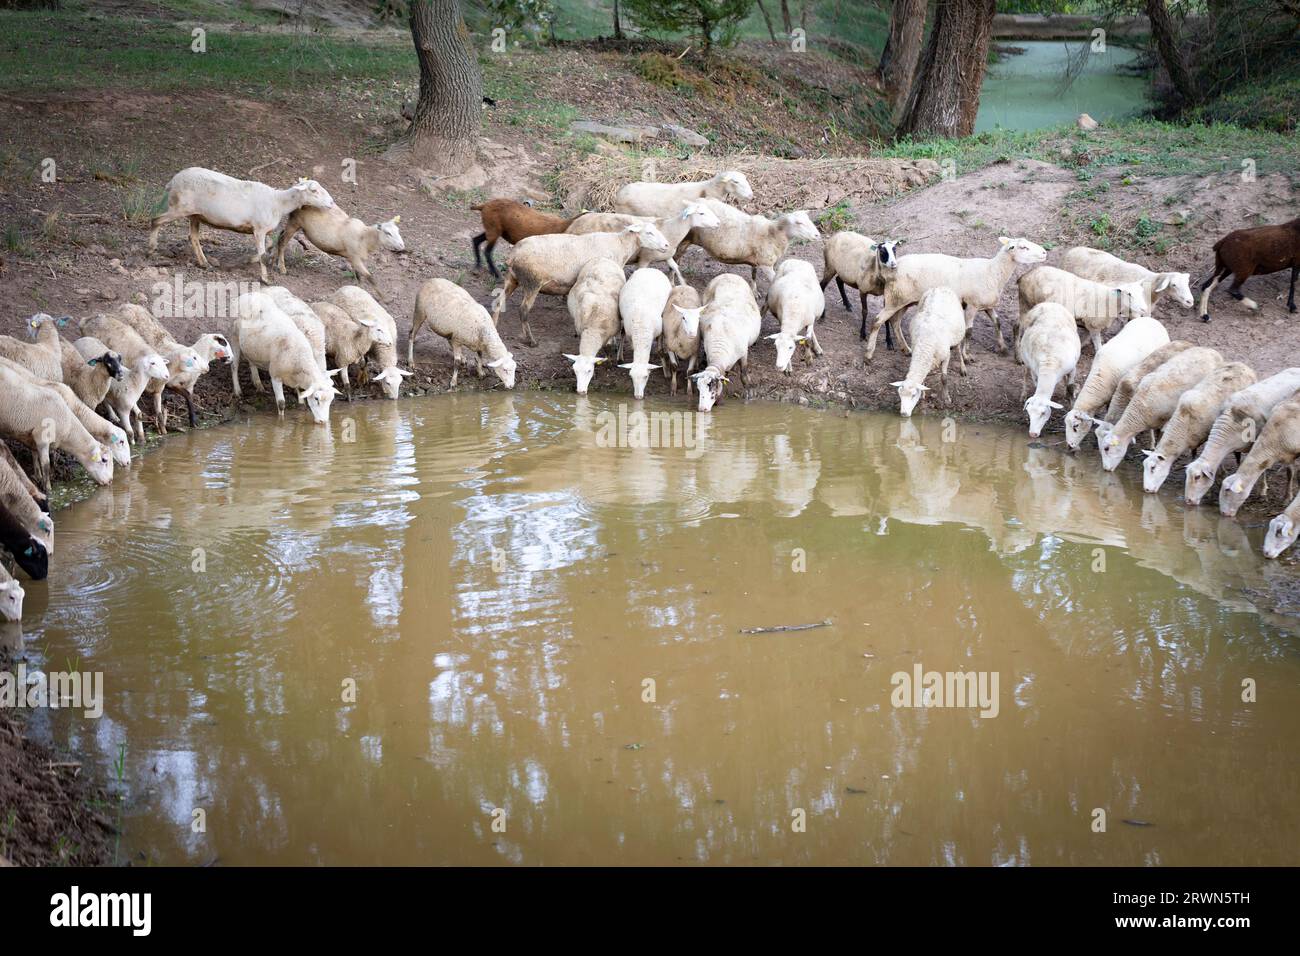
[
  {"x": 513, "y": 221},
  {"x": 1243, "y": 253}
]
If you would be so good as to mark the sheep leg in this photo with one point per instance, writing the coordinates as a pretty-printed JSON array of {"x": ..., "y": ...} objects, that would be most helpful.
[
  {"x": 1292, "y": 481},
  {"x": 1290, "y": 299},
  {"x": 159, "y": 413},
  {"x": 502, "y": 295},
  {"x": 1024, "y": 385},
  {"x": 41, "y": 462},
  {"x": 347, "y": 384},
  {"x": 138, "y": 417},
  {"x": 961, "y": 359},
  {"x": 487, "y": 254},
  {"x": 277, "y": 387},
  {"x": 476, "y": 242},
  {"x": 256, "y": 377},
  {"x": 364, "y": 275},
  {"x": 844, "y": 295},
  {"x": 234, "y": 368},
  {"x": 1095, "y": 338},
  {"x": 1207, "y": 288},
  {"x": 525, "y": 308},
  {"x": 883, "y": 316},
  {"x": 189, "y": 407},
  {"x": 286, "y": 236},
  {"x": 478, "y": 363},
  {"x": 812, "y": 337},
  {"x": 997, "y": 327},
  {"x": 171, "y": 215},
  {"x": 455, "y": 364},
  {"x": 690, "y": 368},
  {"x": 897, "y": 323},
  {"x": 199, "y": 257},
  {"x": 753, "y": 279},
  {"x": 943, "y": 379},
  {"x": 259, "y": 238}
]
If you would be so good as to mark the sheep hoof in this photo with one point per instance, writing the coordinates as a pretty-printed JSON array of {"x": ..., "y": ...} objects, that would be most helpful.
[{"x": 1205, "y": 317}]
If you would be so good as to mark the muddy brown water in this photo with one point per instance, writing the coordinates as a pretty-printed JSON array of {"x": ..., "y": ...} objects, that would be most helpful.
[{"x": 501, "y": 579}]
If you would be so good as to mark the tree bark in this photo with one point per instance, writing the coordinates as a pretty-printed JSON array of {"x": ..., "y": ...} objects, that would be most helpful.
[
  {"x": 1171, "y": 54},
  {"x": 618, "y": 24},
  {"x": 768, "y": 20},
  {"x": 946, "y": 92},
  {"x": 444, "y": 133},
  {"x": 803, "y": 15},
  {"x": 785, "y": 17},
  {"x": 902, "y": 50}
]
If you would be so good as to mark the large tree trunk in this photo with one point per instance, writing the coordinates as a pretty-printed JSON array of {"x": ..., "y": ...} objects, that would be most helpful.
[
  {"x": 785, "y": 17},
  {"x": 902, "y": 50},
  {"x": 946, "y": 92},
  {"x": 618, "y": 23},
  {"x": 444, "y": 133},
  {"x": 1171, "y": 54}
]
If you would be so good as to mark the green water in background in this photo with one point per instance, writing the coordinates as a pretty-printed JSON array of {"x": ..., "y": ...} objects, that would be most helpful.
[{"x": 1029, "y": 90}]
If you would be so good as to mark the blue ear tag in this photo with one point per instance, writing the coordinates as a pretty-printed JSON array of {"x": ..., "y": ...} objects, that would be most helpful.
[{"x": 28, "y": 553}]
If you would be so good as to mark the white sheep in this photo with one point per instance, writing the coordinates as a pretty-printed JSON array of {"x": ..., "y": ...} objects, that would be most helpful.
[
  {"x": 16, "y": 496},
  {"x": 1155, "y": 400},
  {"x": 1049, "y": 350},
  {"x": 239, "y": 205},
  {"x": 451, "y": 312},
  {"x": 681, "y": 341},
  {"x": 1138, "y": 339},
  {"x": 348, "y": 340},
  {"x": 103, "y": 431},
  {"x": 361, "y": 305},
  {"x": 28, "y": 485},
  {"x": 796, "y": 299},
  {"x": 185, "y": 364},
  {"x": 1100, "y": 266},
  {"x": 665, "y": 199},
  {"x": 43, "y": 357},
  {"x": 1094, "y": 306},
  {"x": 267, "y": 338},
  {"x": 308, "y": 322},
  {"x": 90, "y": 377},
  {"x": 641, "y": 304},
  {"x": 1132, "y": 379},
  {"x": 938, "y": 327},
  {"x": 11, "y": 597},
  {"x": 38, "y": 417},
  {"x": 551, "y": 263},
  {"x": 1242, "y": 418},
  {"x": 755, "y": 241},
  {"x": 1278, "y": 444},
  {"x": 729, "y": 324},
  {"x": 853, "y": 259},
  {"x": 140, "y": 360},
  {"x": 1283, "y": 530},
  {"x": 332, "y": 230},
  {"x": 593, "y": 304},
  {"x": 674, "y": 229},
  {"x": 977, "y": 282},
  {"x": 1190, "y": 424}
]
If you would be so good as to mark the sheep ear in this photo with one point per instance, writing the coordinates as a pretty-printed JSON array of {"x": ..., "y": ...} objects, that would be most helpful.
[
  {"x": 1162, "y": 283},
  {"x": 897, "y": 384},
  {"x": 334, "y": 371},
  {"x": 774, "y": 336},
  {"x": 600, "y": 358},
  {"x": 1149, "y": 452},
  {"x": 924, "y": 388},
  {"x": 498, "y": 362},
  {"x": 1005, "y": 240},
  {"x": 1055, "y": 405},
  {"x": 571, "y": 358},
  {"x": 628, "y": 365}
]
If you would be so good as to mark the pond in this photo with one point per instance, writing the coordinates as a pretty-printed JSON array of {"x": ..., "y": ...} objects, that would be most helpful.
[
  {"x": 499, "y": 629},
  {"x": 1028, "y": 90}
]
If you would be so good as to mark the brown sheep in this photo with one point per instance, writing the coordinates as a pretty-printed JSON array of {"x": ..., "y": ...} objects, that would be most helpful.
[
  {"x": 1243, "y": 253},
  {"x": 514, "y": 221}
]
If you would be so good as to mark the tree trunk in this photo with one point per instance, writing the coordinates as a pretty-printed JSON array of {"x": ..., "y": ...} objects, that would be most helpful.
[
  {"x": 1171, "y": 54},
  {"x": 768, "y": 20},
  {"x": 803, "y": 15},
  {"x": 618, "y": 24},
  {"x": 444, "y": 133},
  {"x": 946, "y": 92},
  {"x": 902, "y": 50},
  {"x": 785, "y": 17}
]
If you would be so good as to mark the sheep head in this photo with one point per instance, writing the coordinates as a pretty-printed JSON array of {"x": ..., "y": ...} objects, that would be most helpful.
[
  {"x": 798, "y": 225},
  {"x": 699, "y": 216},
  {"x": 11, "y": 601},
  {"x": 584, "y": 367},
  {"x": 735, "y": 185},
  {"x": 709, "y": 383},
  {"x": 391, "y": 380},
  {"x": 1281, "y": 535},
  {"x": 311, "y": 193},
  {"x": 1178, "y": 285},
  {"x": 1112, "y": 448},
  {"x": 1077, "y": 426},
  {"x": 504, "y": 367},
  {"x": 1023, "y": 251},
  {"x": 1200, "y": 478},
  {"x": 690, "y": 319},
  {"x": 1232, "y": 494},
  {"x": 909, "y": 394},
  {"x": 1155, "y": 469},
  {"x": 785, "y": 343},
  {"x": 640, "y": 372},
  {"x": 1039, "y": 410},
  {"x": 389, "y": 237},
  {"x": 648, "y": 237}
]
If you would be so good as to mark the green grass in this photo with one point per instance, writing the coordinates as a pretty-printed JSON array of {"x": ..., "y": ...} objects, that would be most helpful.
[
  {"x": 1151, "y": 147},
  {"x": 45, "y": 50}
]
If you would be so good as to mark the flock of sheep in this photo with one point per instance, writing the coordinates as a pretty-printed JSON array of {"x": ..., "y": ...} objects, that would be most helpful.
[{"x": 82, "y": 395}]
